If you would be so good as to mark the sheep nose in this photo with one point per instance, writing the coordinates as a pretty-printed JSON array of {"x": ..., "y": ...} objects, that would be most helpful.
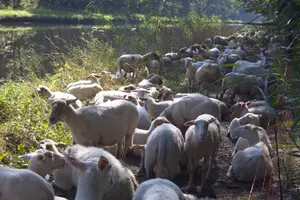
[{"x": 52, "y": 119}]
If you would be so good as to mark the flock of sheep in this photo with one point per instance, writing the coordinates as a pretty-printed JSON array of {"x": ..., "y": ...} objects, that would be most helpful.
[{"x": 167, "y": 130}]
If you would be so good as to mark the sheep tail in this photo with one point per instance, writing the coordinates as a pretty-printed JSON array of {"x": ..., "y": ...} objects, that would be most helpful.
[{"x": 161, "y": 156}]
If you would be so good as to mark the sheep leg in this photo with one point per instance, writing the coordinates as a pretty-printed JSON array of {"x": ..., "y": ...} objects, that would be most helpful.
[
  {"x": 128, "y": 145},
  {"x": 120, "y": 150},
  {"x": 205, "y": 170},
  {"x": 192, "y": 166},
  {"x": 230, "y": 172}
]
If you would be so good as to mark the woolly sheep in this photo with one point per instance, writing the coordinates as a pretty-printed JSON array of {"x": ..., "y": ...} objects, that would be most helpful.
[
  {"x": 135, "y": 61},
  {"x": 252, "y": 162},
  {"x": 208, "y": 42},
  {"x": 189, "y": 108},
  {"x": 127, "y": 88},
  {"x": 20, "y": 184},
  {"x": 85, "y": 90},
  {"x": 95, "y": 168},
  {"x": 237, "y": 83},
  {"x": 53, "y": 96},
  {"x": 243, "y": 143},
  {"x": 44, "y": 161},
  {"x": 161, "y": 189},
  {"x": 147, "y": 83},
  {"x": 191, "y": 69},
  {"x": 221, "y": 40},
  {"x": 140, "y": 136},
  {"x": 144, "y": 120},
  {"x": 207, "y": 74},
  {"x": 104, "y": 96},
  {"x": 202, "y": 140},
  {"x": 238, "y": 51},
  {"x": 223, "y": 108},
  {"x": 164, "y": 148},
  {"x": 261, "y": 108},
  {"x": 156, "y": 108},
  {"x": 96, "y": 124}
]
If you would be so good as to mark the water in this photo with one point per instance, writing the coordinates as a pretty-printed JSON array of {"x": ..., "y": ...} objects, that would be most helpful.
[{"x": 40, "y": 42}]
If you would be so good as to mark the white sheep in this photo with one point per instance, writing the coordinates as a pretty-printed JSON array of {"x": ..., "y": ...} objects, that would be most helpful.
[
  {"x": 221, "y": 40},
  {"x": 155, "y": 108},
  {"x": 44, "y": 161},
  {"x": 202, "y": 140},
  {"x": 164, "y": 148},
  {"x": 20, "y": 184},
  {"x": 252, "y": 162},
  {"x": 161, "y": 189},
  {"x": 261, "y": 108},
  {"x": 191, "y": 69},
  {"x": 144, "y": 120},
  {"x": 238, "y": 51},
  {"x": 189, "y": 108},
  {"x": 225, "y": 59},
  {"x": 249, "y": 118},
  {"x": 223, "y": 109},
  {"x": 131, "y": 63},
  {"x": 237, "y": 83},
  {"x": 154, "y": 80},
  {"x": 104, "y": 96},
  {"x": 99, "y": 175},
  {"x": 95, "y": 125},
  {"x": 84, "y": 90},
  {"x": 243, "y": 143},
  {"x": 53, "y": 96},
  {"x": 207, "y": 74}
]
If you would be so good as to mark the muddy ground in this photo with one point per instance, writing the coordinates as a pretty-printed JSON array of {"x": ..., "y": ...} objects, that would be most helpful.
[{"x": 221, "y": 187}]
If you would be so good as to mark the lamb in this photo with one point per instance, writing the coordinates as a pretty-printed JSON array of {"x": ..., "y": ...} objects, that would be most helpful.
[
  {"x": 20, "y": 184},
  {"x": 43, "y": 161},
  {"x": 189, "y": 108},
  {"x": 207, "y": 74},
  {"x": 135, "y": 61},
  {"x": 155, "y": 79},
  {"x": 252, "y": 162},
  {"x": 140, "y": 136},
  {"x": 104, "y": 96},
  {"x": 85, "y": 90},
  {"x": 144, "y": 120},
  {"x": 161, "y": 189},
  {"x": 202, "y": 140},
  {"x": 238, "y": 83},
  {"x": 95, "y": 125},
  {"x": 156, "y": 108},
  {"x": 243, "y": 143},
  {"x": 93, "y": 168},
  {"x": 191, "y": 69},
  {"x": 164, "y": 148},
  {"x": 249, "y": 118},
  {"x": 53, "y": 96},
  {"x": 261, "y": 108},
  {"x": 221, "y": 40}
]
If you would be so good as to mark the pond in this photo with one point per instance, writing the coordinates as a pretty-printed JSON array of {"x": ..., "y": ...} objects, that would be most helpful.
[{"x": 42, "y": 41}]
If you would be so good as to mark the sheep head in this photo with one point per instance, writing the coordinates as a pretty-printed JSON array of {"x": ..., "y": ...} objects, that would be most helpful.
[
  {"x": 239, "y": 109},
  {"x": 43, "y": 91},
  {"x": 58, "y": 108},
  {"x": 201, "y": 124},
  {"x": 132, "y": 98},
  {"x": 248, "y": 131}
]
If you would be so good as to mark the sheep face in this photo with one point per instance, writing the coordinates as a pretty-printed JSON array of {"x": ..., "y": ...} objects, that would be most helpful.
[
  {"x": 201, "y": 126},
  {"x": 156, "y": 79},
  {"x": 42, "y": 91},
  {"x": 58, "y": 109},
  {"x": 246, "y": 131},
  {"x": 238, "y": 109}
]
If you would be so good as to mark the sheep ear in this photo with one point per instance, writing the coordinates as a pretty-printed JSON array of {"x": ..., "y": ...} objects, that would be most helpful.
[
  {"x": 70, "y": 101},
  {"x": 103, "y": 163},
  {"x": 26, "y": 156},
  {"x": 61, "y": 145},
  {"x": 211, "y": 120},
  {"x": 247, "y": 103},
  {"x": 189, "y": 123},
  {"x": 75, "y": 162}
]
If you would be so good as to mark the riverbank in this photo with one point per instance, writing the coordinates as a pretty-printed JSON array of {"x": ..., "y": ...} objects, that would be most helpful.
[{"x": 70, "y": 17}]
